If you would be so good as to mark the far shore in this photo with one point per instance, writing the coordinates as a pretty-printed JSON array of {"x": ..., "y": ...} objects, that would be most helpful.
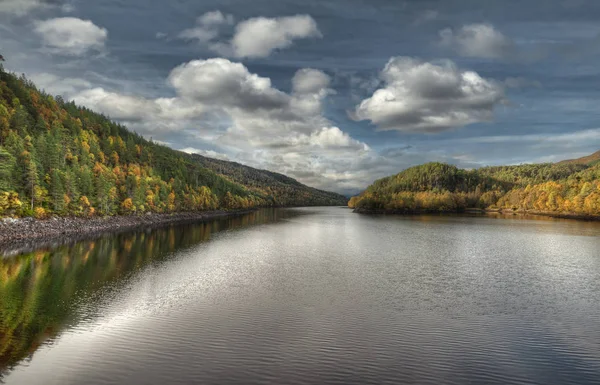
[
  {"x": 24, "y": 233},
  {"x": 562, "y": 215}
]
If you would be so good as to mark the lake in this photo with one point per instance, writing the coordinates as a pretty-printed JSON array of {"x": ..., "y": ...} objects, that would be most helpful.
[{"x": 310, "y": 296}]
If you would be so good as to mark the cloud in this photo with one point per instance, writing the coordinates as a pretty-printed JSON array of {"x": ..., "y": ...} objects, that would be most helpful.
[
  {"x": 478, "y": 40},
  {"x": 207, "y": 27},
  {"x": 207, "y": 153},
  {"x": 426, "y": 17},
  {"x": 219, "y": 86},
  {"x": 253, "y": 38},
  {"x": 259, "y": 112},
  {"x": 425, "y": 97},
  {"x": 333, "y": 137},
  {"x": 220, "y": 82},
  {"x": 118, "y": 106},
  {"x": 156, "y": 115},
  {"x": 215, "y": 18},
  {"x": 22, "y": 7},
  {"x": 67, "y": 8},
  {"x": 578, "y": 138},
  {"x": 260, "y": 36},
  {"x": 71, "y": 36},
  {"x": 56, "y": 85},
  {"x": 310, "y": 81}
]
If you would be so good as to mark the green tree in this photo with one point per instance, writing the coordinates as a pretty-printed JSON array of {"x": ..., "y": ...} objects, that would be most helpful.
[
  {"x": 29, "y": 171},
  {"x": 7, "y": 165},
  {"x": 57, "y": 190}
]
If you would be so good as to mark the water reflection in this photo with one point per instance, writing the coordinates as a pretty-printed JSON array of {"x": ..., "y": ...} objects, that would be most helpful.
[
  {"x": 527, "y": 222},
  {"x": 40, "y": 291},
  {"x": 327, "y": 298}
]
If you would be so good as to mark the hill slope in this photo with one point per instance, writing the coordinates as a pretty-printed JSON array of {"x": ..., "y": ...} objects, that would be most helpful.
[
  {"x": 588, "y": 160},
  {"x": 277, "y": 189},
  {"x": 551, "y": 188},
  {"x": 59, "y": 158}
]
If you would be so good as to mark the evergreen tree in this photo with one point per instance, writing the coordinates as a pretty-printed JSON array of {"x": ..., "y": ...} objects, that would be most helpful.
[
  {"x": 28, "y": 167},
  {"x": 57, "y": 190},
  {"x": 7, "y": 165},
  {"x": 21, "y": 121}
]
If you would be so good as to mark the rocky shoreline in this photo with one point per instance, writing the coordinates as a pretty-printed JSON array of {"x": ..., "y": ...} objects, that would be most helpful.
[{"x": 23, "y": 233}]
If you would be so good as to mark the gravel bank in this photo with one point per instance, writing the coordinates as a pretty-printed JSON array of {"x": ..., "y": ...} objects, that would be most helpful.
[{"x": 26, "y": 233}]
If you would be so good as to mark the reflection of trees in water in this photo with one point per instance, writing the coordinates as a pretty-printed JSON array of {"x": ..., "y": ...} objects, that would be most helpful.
[{"x": 39, "y": 290}]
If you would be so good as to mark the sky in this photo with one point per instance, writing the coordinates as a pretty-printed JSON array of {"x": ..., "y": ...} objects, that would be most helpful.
[{"x": 333, "y": 93}]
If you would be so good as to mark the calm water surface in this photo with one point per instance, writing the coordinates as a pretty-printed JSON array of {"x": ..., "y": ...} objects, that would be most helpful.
[{"x": 310, "y": 296}]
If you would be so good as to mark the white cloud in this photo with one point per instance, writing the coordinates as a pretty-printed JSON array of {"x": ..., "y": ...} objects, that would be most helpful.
[
  {"x": 224, "y": 83},
  {"x": 21, "y": 7},
  {"x": 154, "y": 115},
  {"x": 326, "y": 138},
  {"x": 67, "y": 8},
  {"x": 215, "y": 18},
  {"x": 260, "y": 36},
  {"x": 428, "y": 97},
  {"x": 310, "y": 81},
  {"x": 333, "y": 137},
  {"x": 207, "y": 27},
  {"x": 206, "y": 153},
  {"x": 56, "y": 85},
  {"x": 253, "y": 38},
  {"x": 118, "y": 106},
  {"x": 71, "y": 36},
  {"x": 478, "y": 40}
]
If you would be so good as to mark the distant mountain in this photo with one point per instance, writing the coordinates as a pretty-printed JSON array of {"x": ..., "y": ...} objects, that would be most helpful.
[
  {"x": 57, "y": 158},
  {"x": 277, "y": 189},
  {"x": 589, "y": 160}
]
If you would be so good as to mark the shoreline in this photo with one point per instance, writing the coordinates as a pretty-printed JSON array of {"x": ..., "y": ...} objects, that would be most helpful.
[
  {"x": 23, "y": 234},
  {"x": 561, "y": 215}
]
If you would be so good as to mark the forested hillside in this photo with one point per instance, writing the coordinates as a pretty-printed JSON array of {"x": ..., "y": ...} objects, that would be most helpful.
[
  {"x": 588, "y": 160},
  {"x": 59, "y": 158},
  {"x": 282, "y": 190},
  {"x": 571, "y": 187}
]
